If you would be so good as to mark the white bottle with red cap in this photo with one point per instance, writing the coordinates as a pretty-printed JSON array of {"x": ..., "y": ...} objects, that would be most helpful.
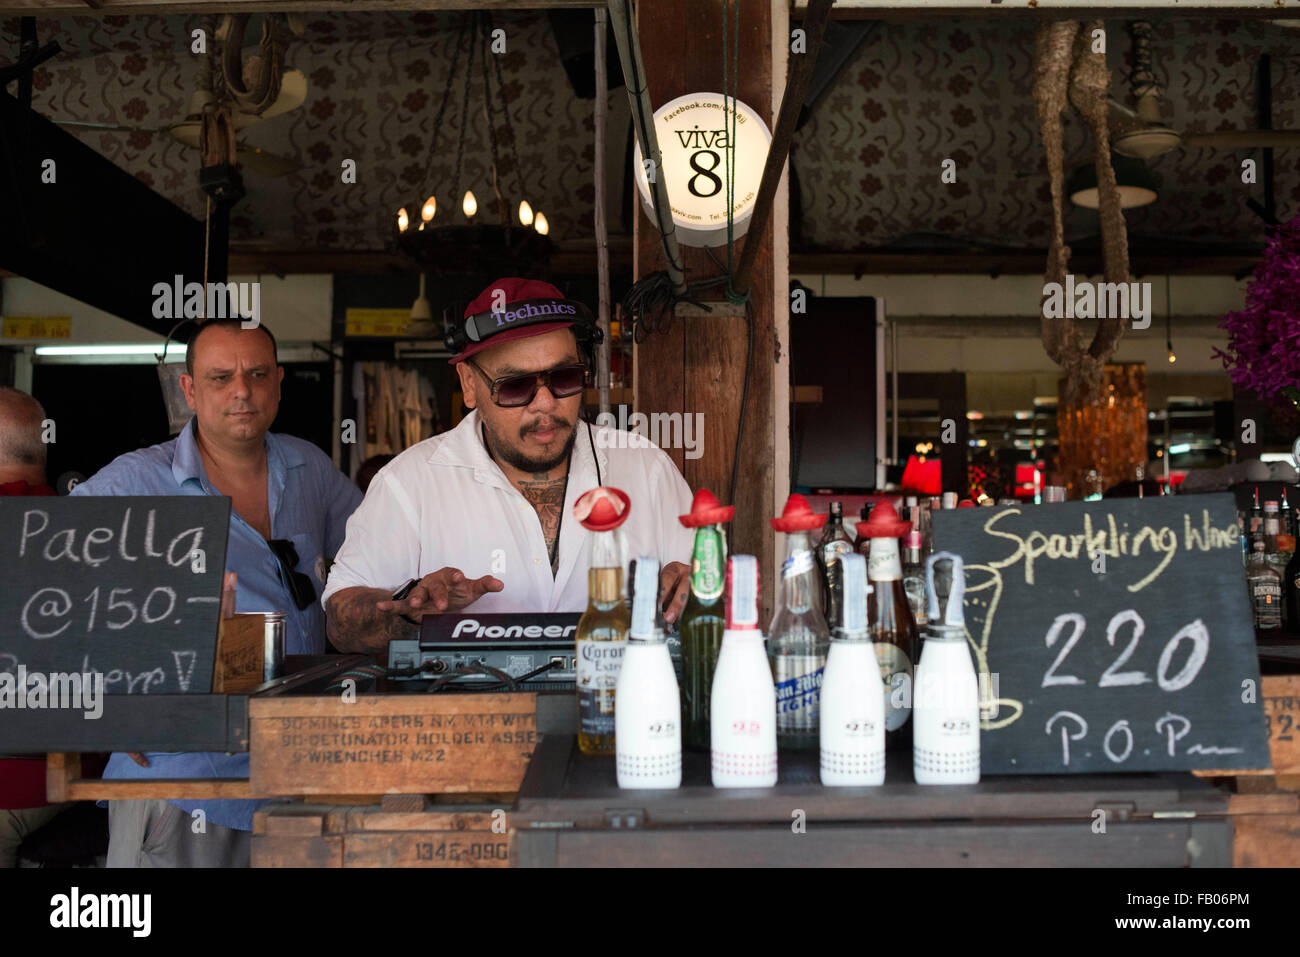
[
  {"x": 945, "y": 699},
  {"x": 853, "y": 697},
  {"x": 647, "y": 721},
  {"x": 742, "y": 704}
]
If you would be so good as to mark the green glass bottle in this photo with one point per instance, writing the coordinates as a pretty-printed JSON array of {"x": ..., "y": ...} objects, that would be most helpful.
[
  {"x": 702, "y": 624},
  {"x": 704, "y": 618}
]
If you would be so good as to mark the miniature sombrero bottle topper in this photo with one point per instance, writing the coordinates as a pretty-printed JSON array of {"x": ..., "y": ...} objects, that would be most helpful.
[
  {"x": 706, "y": 510},
  {"x": 798, "y": 516},
  {"x": 602, "y": 509}
]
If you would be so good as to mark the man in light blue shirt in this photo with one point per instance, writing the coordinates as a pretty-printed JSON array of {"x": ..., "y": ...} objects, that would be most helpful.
[{"x": 289, "y": 512}]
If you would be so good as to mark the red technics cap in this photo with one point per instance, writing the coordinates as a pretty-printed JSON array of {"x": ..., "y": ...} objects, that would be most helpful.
[
  {"x": 705, "y": 510},
  {"x": 883, "y": 522},
  {"x": 602, "y": 509},
  {"x": 798, "y": 516},
  {"x": 514, "y": 289}
]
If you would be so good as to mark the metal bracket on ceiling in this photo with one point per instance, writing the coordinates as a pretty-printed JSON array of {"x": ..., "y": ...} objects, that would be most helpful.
[{"x": 30, "y": 56}]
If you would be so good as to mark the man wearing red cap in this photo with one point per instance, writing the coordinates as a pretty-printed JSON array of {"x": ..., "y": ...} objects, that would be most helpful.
[{"x": 482, "y": 514}]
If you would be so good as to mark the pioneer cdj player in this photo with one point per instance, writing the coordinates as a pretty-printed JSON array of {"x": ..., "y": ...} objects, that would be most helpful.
[{"x": 516, "y": 644}]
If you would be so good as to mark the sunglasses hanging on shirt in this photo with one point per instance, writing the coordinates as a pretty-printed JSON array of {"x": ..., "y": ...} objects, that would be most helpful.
[{"x": 300, "y": 586}]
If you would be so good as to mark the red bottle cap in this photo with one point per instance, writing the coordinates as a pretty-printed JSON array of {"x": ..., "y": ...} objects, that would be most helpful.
[
  {"x": 705, "y": 510},
  {"x": 798, "y": 516},
  {"x": 965, "y": 503},
  {"x": 602, "y": 509},
  {"x": 883, "y": 523}
]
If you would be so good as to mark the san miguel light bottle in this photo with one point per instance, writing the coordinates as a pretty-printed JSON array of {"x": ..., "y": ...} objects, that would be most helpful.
[
  {"x": 892, "y": 628},
  {"x": 945, "y": 705},
  {"x": 704, "y": 618},
  {"x": 834, "y": 542},
  {"x": 742, "y": 710},
  {"x": 602, "y": 630},
  {"x": 797, "y": 639},
  {"x": 852, "y": 727},
  {"x": 647, "y": 721}
]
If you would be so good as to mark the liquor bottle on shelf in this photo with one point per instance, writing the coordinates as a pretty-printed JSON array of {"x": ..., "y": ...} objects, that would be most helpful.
[
  {"x": 1272, "y": 534},
  {"x": 1286, "y": 537},
  {"x": 797, "y": 638},
  {"x": 914, "y": 576},
  {"x": 742, "y": 711},
  {"x": 834, "y": 542},
  {"x": 946, "y": 707},
  {"x": 852, "y": 726},
  {"x": 647, "y": 722},
  {"x": 1265, "y": 584},
  {"x": 893, "y": 629},
  {"x": 602, "y": 630},
  {"x": 704, "y": 618},
  {"x": 1255, "y": 524}
]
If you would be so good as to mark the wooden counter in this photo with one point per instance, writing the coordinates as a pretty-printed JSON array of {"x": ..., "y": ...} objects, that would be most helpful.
[{"x": 570, "y": 812}]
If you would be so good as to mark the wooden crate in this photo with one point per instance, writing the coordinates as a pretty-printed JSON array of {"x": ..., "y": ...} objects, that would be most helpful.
[
  {"x": 390, "y": 743},
  {"x": 435, "y": 835},
  {"x": 1266, "y": 829},
  {"x": 1280, "y": 695}
]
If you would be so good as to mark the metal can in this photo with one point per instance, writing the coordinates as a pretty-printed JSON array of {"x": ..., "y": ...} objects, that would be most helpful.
[{"x": 273, "y": 630}]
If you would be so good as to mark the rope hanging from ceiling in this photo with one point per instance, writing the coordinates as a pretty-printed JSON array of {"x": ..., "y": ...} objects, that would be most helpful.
[{"x": 1067, "y": 70}]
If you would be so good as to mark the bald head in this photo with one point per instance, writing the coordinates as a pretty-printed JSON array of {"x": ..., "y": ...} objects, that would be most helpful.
[{"x": 22, "y": 453}]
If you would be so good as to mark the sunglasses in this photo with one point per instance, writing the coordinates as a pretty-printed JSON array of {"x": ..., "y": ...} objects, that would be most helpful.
[
  {"x": 513, "y": 391},
  {"x": 300, "y": 586}
]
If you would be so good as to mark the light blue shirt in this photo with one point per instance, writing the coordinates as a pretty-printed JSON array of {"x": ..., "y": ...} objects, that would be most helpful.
[{"x": 309, "y": 502}]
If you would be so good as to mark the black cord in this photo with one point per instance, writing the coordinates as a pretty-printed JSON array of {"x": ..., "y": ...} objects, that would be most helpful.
[
  {"x": 594, "y": 457},
  {"x": 744, "y": 401}
]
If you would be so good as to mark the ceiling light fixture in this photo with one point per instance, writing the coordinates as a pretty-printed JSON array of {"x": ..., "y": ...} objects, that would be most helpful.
[
  {"x": 474, "y": 241},
  {"x": 1138, "y": 186}
]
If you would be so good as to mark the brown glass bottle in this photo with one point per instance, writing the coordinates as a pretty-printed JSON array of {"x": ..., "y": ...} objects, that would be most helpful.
[{"x": 895, "y": 635}]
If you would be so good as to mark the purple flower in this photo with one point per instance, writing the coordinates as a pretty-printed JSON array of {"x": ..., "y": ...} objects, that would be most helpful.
[{"x": 1263, "y": 352}]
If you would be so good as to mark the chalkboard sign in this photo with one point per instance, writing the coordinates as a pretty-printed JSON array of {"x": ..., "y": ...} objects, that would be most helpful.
[
  {"x": 1116, "y": 634},
  {"x": 128, "y": 587}
]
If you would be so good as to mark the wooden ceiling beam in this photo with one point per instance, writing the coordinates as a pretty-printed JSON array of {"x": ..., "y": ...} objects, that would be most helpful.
[
  {"x": 61, "y": 8},
  {"x": 579, "y": 259},
  {"x": 575, "y": 262},
  {"x": 897, "y": 10}
]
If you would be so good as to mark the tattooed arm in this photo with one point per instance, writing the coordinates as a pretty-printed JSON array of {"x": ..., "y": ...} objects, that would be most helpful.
[
  {"x": 364, "y": 620},
  {"x": 546, "y": 495},
  {"x": 356, "y": 625}
]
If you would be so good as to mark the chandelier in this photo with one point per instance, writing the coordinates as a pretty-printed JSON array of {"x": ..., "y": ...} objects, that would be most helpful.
[{"x": 458, "y": 235}]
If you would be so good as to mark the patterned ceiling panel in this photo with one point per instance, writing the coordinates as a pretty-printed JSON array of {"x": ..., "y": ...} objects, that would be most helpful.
[
  {"x": 375, "y": 83},
  {"x": 868, "y": 160}
]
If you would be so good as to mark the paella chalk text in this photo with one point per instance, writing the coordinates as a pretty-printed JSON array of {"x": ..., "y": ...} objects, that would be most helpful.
[
  {"x": 127, "y": 586},
  {"x": 1155, "y": 546}
]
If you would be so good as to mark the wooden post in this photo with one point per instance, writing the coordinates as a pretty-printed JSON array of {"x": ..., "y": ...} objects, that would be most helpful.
[{"x": 699, "y": 365}]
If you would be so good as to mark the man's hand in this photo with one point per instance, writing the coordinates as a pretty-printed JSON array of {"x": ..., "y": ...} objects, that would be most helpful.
[
  {"x": 138, "y": 758},
  {"x": 447, "y": 589},
  {"x": 674, "y": 587}
]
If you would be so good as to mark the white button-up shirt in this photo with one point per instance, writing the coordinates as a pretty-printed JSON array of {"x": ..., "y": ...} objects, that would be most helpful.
[{"x": 445, "y": 502}]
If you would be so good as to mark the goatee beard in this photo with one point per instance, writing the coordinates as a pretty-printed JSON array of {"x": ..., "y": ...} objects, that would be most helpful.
[{"x": 516, "y": 459}]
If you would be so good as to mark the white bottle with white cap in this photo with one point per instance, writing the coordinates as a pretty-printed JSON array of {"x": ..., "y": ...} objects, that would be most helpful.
[
  {"x": 945, "y": 696},
  {"x": 647, "y": 721},
  {"x": 742, "y": 705},
  {"x": 853, "y": 698}
]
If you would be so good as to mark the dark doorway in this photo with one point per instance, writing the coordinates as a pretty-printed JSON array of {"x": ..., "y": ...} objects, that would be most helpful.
[{"x": 103, "y": 411}]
